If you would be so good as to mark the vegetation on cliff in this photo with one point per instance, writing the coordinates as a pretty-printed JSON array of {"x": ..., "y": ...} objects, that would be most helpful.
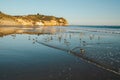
[{"x": 35, "y": 19}]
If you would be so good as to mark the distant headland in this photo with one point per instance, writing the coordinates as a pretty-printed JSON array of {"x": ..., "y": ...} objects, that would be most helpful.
[{"x": 32, "y": 20}]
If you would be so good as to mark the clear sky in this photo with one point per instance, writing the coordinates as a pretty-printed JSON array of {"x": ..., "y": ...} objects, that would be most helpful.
[{"x": 79, "y": 12}]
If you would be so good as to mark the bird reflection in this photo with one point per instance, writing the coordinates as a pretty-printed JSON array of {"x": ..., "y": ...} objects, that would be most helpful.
[
  {"x": 14, "y": 36},
  {"x": 29, "y": 38},
  {"x": 59, "y": 38},
  {"x": 84, "y": 43},
  {"x": 67, "y": 43},
  {"x": 99, "y": 38},
  {"x": 80, "y": 40},
  {"x": 91, "y": 37},
  {"x": 70, "y": 36},
  {"x": 51, "y": 38},
  {"x": 33, "y": 41},
  {"x": 38, "y": 34}
]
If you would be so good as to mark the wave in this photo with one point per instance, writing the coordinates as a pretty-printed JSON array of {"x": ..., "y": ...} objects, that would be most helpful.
[{"x": 102, "y": 30}]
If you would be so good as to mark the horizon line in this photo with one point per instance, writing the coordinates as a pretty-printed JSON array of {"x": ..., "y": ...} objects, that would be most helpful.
[{"x": 91, "y": 25}]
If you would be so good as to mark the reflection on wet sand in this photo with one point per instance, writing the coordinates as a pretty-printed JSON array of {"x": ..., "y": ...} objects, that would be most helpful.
[
  {"x": 81, "y": 54},
  {"x": 4, "y": 31},
  {"x": 75, "y": 44},
  {"x": 85, "y": 45}
]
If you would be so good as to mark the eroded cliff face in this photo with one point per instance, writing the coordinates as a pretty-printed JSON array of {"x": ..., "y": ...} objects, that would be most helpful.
[
  {"x": 32, "y": 20},
  {"x": 7, "y": 20}
]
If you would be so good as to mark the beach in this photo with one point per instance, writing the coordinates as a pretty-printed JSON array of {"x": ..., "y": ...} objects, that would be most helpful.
[{"x": 60, "y": 53}]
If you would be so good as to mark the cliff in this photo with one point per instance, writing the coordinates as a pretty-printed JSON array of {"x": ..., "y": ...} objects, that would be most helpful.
[{"x": 37, "y": 19}]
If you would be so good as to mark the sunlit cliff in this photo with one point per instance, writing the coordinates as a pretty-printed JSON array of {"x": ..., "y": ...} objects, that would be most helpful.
[{"x": 34, "y": 19}]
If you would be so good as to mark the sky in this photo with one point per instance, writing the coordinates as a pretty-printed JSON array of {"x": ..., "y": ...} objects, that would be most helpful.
[{"x": 77, "y": 12}]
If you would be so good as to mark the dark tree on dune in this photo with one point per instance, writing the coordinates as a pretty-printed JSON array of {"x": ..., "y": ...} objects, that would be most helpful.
[{"x": 38, "y": 14}]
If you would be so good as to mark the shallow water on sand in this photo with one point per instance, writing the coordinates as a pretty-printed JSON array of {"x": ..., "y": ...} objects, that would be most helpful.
[{"x": 59, "y": 53}]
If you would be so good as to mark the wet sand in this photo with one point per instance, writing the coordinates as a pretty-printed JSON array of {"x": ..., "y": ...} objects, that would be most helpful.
[{"x": 23, "y": 58}]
